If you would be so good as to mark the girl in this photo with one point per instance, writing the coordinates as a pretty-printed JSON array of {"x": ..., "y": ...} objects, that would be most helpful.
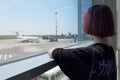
[{"x": 94, "y": 62}]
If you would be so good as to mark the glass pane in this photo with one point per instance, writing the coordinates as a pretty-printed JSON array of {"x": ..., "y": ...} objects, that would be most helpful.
[
  {"x": 82, "y": 7},
  {"x": 31, "y": 27}
]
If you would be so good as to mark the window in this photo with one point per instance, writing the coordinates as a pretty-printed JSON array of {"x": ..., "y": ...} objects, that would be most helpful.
[
  {"x": 83, "y": 6},
  {"x": 31, "y": 27}
]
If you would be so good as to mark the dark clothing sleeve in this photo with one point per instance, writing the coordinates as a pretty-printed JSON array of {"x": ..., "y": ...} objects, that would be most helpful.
[{"x": 75, "y": 63}]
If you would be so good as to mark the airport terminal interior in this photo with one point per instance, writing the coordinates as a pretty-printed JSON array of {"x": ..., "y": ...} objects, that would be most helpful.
[{"x": 29, "y": 28}]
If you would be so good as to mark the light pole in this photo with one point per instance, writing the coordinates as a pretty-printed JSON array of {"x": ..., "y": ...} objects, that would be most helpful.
[{"x": 56, "y": 23}]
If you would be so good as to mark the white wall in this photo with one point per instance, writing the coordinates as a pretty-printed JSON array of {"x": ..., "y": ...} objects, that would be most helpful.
[
  {"x": 118, "y": 24},
  {"x": 118, "y": 38}
]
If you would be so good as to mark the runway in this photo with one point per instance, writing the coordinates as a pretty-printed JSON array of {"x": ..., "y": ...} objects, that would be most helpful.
[{"x": 13, "y": 49}]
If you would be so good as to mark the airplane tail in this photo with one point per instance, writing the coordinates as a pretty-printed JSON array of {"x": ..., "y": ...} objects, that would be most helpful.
[{"x": 17, "y": 34}]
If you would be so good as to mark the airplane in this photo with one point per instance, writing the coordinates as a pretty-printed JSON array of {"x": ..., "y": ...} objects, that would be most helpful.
[{"x": 25, "y": 39}]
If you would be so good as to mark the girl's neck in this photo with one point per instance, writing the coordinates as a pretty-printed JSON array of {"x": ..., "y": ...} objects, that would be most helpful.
[{"x": 103, "y": 40}]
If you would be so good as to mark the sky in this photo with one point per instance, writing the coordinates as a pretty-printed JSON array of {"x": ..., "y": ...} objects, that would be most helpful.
[{"x": 32, "y": 17}]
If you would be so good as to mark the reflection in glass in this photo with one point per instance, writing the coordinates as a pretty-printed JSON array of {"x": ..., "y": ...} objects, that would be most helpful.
[{"x": 52, "y": 74}]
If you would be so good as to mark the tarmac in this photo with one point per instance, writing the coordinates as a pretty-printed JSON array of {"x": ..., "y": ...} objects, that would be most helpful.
[{"x": 14, "y": 50}]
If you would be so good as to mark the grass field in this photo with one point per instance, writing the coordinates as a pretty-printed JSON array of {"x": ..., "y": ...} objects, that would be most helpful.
[
  {"x": 2, "y": 37},
  {"x": 7, "y": 37}
]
